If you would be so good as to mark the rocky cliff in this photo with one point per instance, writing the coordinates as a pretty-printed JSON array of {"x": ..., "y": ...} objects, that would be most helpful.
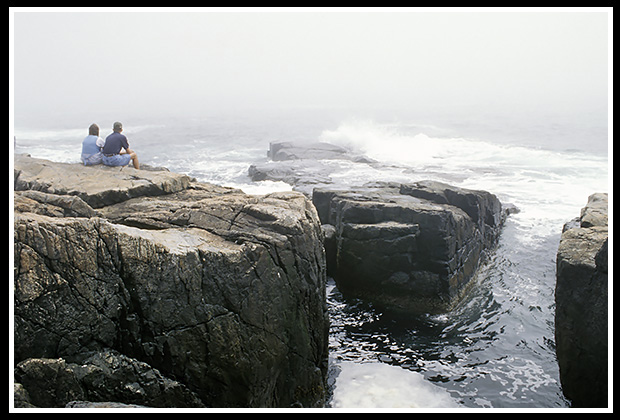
[
  {"x": 408, "y": 247},
  {"x": 148, "y": 288},
  {"x": 581, "y": 315}
]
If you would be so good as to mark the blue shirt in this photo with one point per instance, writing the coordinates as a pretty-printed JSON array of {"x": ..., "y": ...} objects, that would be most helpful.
[
  {"x": 114, "y": 143},
  {"x": 91, "y": 145}
]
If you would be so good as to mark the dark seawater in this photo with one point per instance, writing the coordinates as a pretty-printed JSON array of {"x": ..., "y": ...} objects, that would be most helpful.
[{"x": 497, "y": 348}]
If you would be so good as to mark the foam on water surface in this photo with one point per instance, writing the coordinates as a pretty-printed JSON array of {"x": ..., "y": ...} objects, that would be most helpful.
[
  {"x": 378, "y": 385},
  {"x": 549, "y": 187}
]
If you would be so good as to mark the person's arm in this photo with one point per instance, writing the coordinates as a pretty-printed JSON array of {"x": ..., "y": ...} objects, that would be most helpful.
[{"x": 125, "y": 147}]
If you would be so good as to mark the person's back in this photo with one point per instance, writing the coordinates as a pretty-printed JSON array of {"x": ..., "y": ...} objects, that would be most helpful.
[
  {"x": 116, "y": 151},
  {"x": 91, "y": 146},
  {"x": 114, "y": 143}
]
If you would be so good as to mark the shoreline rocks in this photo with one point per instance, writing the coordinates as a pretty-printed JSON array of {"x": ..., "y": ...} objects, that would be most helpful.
[
  {"x": 217, "y": 291},
  {"x": 111, "y": 185},
  {"x": 581, "y": 314},
  {"x": 412, "y": 248},
  {"x": 407, "y": 247}
]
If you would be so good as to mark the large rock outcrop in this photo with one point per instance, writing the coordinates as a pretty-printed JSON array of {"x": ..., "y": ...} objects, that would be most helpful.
[
  {"x": 217, "y": 296},
  {"x": 581, "y": 315},
  {"x": 408, "y": 247}
]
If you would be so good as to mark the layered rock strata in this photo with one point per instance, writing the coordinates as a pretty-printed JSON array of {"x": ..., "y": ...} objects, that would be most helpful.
[
  {"x": 408, "y": 247},
  {"x": 219, "y": 294},
  {"x": 581, "y": 306}
]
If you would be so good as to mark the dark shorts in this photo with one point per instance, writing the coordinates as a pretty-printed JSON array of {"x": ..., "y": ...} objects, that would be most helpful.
[{"x": 116, "y": 160}]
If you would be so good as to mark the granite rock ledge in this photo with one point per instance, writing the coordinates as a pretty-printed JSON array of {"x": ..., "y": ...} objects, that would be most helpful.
[
  {"x": 411, "y": 248},
  {"x": 581, "y": 305},
  {"x": 217, "y": 296}
]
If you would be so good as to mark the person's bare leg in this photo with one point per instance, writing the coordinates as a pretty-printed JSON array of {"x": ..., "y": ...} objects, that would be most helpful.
[{"x": 134, "y": 158}]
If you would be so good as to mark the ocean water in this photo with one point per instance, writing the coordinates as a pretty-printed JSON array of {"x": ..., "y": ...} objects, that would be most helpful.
[{"x": 496, "y": 349}]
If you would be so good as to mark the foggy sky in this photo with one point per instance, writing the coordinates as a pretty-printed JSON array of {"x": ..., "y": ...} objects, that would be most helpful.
[{"x": 139, "y": 63}]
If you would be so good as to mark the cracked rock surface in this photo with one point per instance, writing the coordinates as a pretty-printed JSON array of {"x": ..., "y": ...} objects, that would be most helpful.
[
  {"x": 581, "y": 308},
  {"x": 221, "y": 294},
  {"x": 412, "y": 248}
]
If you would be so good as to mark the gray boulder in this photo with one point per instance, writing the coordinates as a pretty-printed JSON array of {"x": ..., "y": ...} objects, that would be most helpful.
[
  {"x": 411, "y": 247},
  {"x": 218, "y": 290},
  {"x": 581, "y": 308}
]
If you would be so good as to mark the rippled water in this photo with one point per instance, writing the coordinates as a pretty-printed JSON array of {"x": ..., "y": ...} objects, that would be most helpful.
[{"x": 495, "y": 350}]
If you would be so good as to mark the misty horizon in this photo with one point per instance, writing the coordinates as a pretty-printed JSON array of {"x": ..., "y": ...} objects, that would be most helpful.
[{"x": 173, "y": 64}]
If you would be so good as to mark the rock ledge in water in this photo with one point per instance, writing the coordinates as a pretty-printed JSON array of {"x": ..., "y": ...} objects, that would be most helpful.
[
  {"x": 408, "y": 247},
  {"x": 304, "y": 165}
]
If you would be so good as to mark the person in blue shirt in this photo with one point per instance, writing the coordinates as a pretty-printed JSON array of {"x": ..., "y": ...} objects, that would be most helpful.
[
  {"x": 91, "y": 146},
  {"x": 116, "y": 151}
]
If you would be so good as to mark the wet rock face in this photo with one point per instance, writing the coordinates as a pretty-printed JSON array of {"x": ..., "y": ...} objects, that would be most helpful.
[
  {"x": 581, "y": 314},
  {"x": 105, "y": 376},
  {"x": 218, "y": 291},
  {"x": 410, "y": 247}
]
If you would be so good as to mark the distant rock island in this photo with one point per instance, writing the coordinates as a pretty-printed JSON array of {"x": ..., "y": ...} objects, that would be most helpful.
[{"x": 304, "y": 165}]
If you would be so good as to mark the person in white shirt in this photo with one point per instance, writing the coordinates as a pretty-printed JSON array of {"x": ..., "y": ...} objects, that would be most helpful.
[{"x": 91, "y": 146}]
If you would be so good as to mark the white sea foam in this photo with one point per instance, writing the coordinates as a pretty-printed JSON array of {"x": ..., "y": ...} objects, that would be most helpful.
[
  {"x": 549, "y": 187},
  {"x": 261, "y": 187},
  {"x": 378, "y": 385}
]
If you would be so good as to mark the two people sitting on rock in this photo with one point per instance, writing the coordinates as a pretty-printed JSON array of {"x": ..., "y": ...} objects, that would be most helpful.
[{"x": 113, "y": 151}]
